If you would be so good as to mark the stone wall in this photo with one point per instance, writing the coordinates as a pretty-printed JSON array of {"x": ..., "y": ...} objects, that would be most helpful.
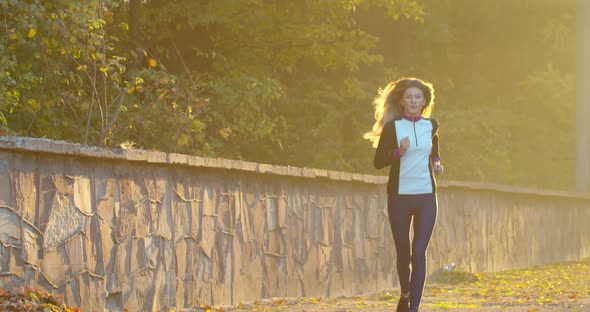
[{"x": 114, "y": 229}]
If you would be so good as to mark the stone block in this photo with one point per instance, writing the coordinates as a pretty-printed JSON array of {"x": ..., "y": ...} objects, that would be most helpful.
[
  {"x": 76, "y": 254},
  {"x": 264, "y": 168},
  {"x": 10, "y": 228},
  {"x": 334, "y": 175},
  {"x": 152, "y": 245},
  {"x": 231, "y": 164},
  {"x": 167, "y": 258},
  {"x": 134, "y": 216},
  {"x": 93, "y": 246},
  {"x": 180, "y": 294},
  {"x": 249, "y": 166},
  {"x": 10, "y": 281},
  {"x": 199, "y": 284},
  {"x": 82, "y": 195},
  {"x": 280, "y": 170},
  {"x": 214, "y": 162},
  {"x": 46, "y": 193},
  {"x": 108, "y": 249},
  {"x": 37, "y": 145},
  {"x": 63, "y": 184},
  {"x": 345, "y": 176},
  {"x": 97, "y": 152},
  {"x": 16, "y": 263},
  {"x": 182, "y": 219},
  {"x": 159, "y": 300},
  {"x": 196, "y": 161},
  {"x": 309, "y": 172},
  {"x": 9, "y": 142},
  {"x": 122, "y": 268},
  {"x": 180, "y": 257},
  {"x": 65, "y": 221},
  {"x": 165, "y": 223},
  {"x": 321, "y": 173},
  {"x": 157, "y": 157},
  {"x": 26, "y": 194},
  {"x": 32, "y": 245},
  {"x": 357, "y": 177},
  {"x": 136, "y": 155},
  {"x": 5, "y": 181},
  {"x": 62, "y": 147},
  {"x": 92, "y": 292},
  {"x": 180, "y": 159},
  {"x": 138, "y": 257},
  {"x": 106, "y": 193},
  {"x": 294, "y": 171},
  {"x": 72, "y": 292}
]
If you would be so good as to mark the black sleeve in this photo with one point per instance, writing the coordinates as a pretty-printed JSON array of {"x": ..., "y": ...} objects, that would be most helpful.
[
  {"x": 387, "y": 144},
  {"x": 434, "y": 154}
]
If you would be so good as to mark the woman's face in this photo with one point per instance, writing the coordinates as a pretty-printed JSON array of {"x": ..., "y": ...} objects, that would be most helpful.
[{"x": 412, "y": 101}]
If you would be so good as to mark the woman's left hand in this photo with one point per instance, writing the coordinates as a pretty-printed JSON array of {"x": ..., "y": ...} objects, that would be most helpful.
[{"x": 438, "y": 168}]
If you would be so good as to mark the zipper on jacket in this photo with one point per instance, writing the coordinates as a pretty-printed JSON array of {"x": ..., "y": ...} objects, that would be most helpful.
[{"x": 415, "y": 136}]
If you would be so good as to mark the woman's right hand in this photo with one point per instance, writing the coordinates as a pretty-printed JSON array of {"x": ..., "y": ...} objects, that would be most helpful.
[{"x": 404, "y": 145}]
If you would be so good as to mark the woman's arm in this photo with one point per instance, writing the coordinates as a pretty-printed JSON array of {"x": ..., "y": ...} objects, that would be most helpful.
[
  {"x": 387, "y": 150},
  {"x": 434, "y": 153}
]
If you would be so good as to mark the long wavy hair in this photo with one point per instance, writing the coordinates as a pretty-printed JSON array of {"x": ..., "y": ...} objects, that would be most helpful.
[{"x": 388, "y": 104}]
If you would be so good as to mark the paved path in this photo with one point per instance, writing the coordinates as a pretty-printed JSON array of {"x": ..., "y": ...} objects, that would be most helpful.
[
  {"x": 555, "y": 287},
  {"x": 381, "y": 303}
]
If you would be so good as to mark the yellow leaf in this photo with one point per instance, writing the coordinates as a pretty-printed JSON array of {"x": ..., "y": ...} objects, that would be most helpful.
[
  {"x": 32, "y": 32},
  {"x": 225, "y": 132},
  {"x": 81, "y": 68},
  {"x": 152, "y": 62}
]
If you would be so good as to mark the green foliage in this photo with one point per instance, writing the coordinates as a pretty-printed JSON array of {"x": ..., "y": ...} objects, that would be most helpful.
[
  {"x": 67, "y": 76},
  {"x": 292, "y": 82},
  {"x": 264, "y": 63}
]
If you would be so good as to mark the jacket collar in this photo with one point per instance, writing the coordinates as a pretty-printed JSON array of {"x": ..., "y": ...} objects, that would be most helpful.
[{"x": 412, "y": 119}]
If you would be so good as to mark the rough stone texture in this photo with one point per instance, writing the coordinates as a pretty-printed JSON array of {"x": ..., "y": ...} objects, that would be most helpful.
[{"x": 148, "y": 231}]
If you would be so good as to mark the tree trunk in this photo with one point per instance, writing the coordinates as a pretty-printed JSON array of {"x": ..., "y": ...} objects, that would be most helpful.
[{"x": 583, "y": 97}]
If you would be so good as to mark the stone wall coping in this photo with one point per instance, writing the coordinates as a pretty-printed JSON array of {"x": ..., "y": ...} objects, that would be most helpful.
[{"x": 43, "y": 145}]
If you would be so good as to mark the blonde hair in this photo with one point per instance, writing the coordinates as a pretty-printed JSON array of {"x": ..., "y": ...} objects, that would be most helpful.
[{"x": 388, "y": 104}]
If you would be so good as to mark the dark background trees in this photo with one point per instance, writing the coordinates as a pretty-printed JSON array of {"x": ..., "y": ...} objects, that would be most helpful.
[{"x": 292, "y": 83}]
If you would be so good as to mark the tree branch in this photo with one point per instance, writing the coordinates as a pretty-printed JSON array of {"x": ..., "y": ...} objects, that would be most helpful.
[
  {"x": 113, "y": 118},
  {"x": 88, "y": 121}
]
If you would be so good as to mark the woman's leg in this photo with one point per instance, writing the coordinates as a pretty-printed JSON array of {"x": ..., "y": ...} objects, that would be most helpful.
[
  {"x": 399, "y": 208},
  {"x": 424, "y": 220}
]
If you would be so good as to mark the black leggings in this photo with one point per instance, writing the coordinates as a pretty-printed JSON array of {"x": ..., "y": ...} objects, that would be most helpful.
[{"x": 423, "y": 209}]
